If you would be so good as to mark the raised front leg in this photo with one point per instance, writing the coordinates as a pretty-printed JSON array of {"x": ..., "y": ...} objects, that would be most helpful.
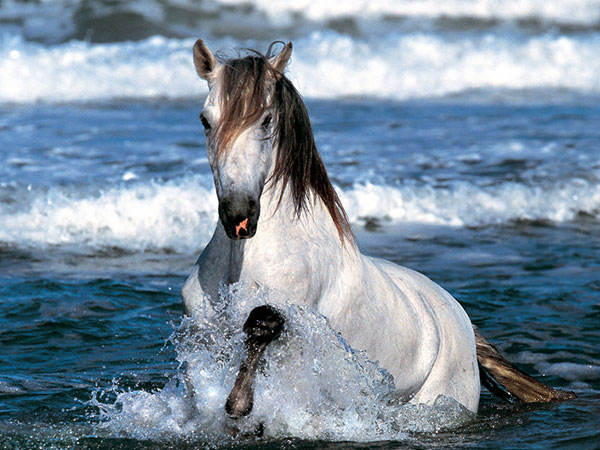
[{"x": 264, "y": 324}]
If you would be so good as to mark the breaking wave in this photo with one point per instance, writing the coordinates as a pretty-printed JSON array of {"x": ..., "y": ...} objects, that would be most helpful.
[
  {"x": 101, "y": 21},
  {"x": 180, "y": 215},
  {"x": 324, "y": 65}
]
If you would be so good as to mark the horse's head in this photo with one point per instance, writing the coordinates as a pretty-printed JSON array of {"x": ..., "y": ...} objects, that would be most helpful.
[
  {"x": 257, "y": 132},
  {"x": 239, "y": 119}
]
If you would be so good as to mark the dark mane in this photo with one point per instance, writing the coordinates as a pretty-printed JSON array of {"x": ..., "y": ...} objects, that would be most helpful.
[{"x": 246, "y": 85}]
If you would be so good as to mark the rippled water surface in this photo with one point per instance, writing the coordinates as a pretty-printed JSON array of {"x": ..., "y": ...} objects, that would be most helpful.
[
  {"x": 102, "y": 221},
  {"x": 463, "y": 140}
]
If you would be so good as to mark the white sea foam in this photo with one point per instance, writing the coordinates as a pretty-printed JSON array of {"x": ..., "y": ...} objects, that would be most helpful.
[
  {"x": 464, "y": 204},
  {"x": 60, "y": 20},
  {"x": 180, "y": 215},
  {"x": 79, "y": 71},
  {"x": 571, "y": 371},
  {"x": 312, "y": 385},
  {"x": 426, "y": 65},
  {"x": 569, "y": 11},
  {"x": 177, "y": 216},
  {"x": 324, "y": 65}
]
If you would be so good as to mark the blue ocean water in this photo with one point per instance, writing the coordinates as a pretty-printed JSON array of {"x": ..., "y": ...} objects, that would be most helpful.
[{"x": 463, "y": 139}]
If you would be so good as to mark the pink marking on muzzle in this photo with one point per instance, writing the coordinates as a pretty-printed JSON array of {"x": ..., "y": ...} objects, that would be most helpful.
[{"x": 243, "y": 225}]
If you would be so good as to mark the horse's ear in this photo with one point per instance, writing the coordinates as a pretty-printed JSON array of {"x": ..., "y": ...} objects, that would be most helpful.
[
  {"x": 204, "y": 60},
  {"x": 280, "y": 61}
]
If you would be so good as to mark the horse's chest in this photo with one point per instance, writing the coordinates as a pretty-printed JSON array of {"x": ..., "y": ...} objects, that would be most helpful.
[{"x": 286, "y": 267}]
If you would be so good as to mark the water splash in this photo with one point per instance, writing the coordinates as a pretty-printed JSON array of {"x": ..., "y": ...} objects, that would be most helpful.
[{"x": 311, "y": 385}]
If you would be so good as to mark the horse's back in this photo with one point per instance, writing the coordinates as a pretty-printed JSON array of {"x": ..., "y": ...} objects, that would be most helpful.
[{"x": 455, "y": 372}]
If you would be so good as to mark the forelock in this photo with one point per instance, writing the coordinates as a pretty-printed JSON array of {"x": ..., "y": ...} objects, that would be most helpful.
[{"x": 244, "y": 93}]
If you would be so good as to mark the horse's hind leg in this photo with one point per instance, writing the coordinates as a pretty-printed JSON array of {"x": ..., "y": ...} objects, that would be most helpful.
[{"x": 495, "y": 368}]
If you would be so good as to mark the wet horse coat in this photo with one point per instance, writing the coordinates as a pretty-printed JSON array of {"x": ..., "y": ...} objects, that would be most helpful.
[{"x": 282, "y": 226}]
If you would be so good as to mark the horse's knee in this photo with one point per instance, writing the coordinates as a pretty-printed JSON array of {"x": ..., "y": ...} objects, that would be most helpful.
[{"x": 264, "y": 324}]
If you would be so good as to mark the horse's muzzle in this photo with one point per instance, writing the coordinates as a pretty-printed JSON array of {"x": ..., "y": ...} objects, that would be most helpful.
[{"x": 239, "y": 216}]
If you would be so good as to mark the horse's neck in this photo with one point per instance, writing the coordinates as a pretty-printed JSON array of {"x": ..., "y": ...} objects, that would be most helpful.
[
  {"x": 290, "y": 253},
  {"x": 280, "y": 221}
]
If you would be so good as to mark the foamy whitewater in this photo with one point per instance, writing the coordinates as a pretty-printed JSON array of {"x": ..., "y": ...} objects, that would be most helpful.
[
  {"x": 180, "y": 216},
  {"x": 325, "y": 65},
  {"x": 384, "y": 49},
  {"x": 461, "y": 136},
  {"x": 338, "y": 395}
]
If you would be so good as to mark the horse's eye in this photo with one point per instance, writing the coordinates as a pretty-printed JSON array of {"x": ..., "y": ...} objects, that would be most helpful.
[
  {"x": 266, "y": 122},
  {"x": 205, "y": 122}
]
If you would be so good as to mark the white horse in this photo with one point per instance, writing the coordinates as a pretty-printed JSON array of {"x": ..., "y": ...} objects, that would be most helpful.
[{"x": 281, "y": 225}]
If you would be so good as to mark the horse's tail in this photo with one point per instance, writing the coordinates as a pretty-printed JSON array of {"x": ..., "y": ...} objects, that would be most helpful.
[{"x": 495, "y": 369}]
